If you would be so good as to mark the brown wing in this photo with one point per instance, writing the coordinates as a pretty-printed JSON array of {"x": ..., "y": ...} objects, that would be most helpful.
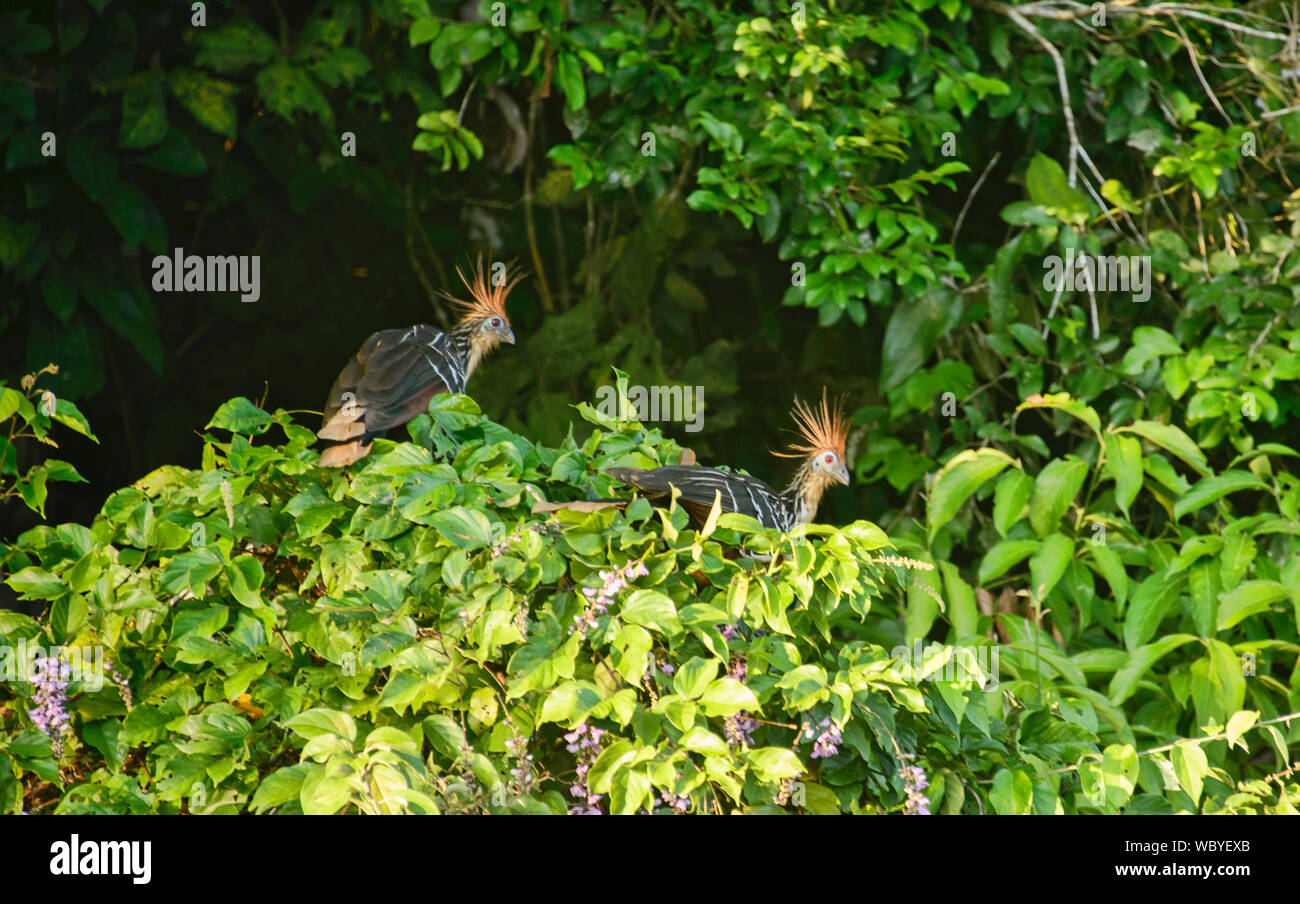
[{"x": 391, "y": 380}]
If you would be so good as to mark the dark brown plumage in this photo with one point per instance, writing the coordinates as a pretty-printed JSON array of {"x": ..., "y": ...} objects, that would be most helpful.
[
  {"x": 823, "y": 433},
  {"x": 396, "y": 372}
]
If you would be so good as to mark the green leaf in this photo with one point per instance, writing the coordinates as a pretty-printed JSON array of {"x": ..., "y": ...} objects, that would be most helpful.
[
  {"x": 245, "y": 574},
  {"x": 694, "y": 676},
  {"x": 701, "y": 740},
  {"x": 35, "y": 583},
  {"x": 444, "y": 734},
  {"x": 483, "y": 706},
  {"x": 144, "y": 111},
  {"x": 1054, "y": 491},
  {"x": 1203, "y": 586},
  {"x": 1172, "y": 439},
  {"x": 70, "y": 416},
  {"x": 568, "y": 71},
  {"x": 1149, "y": 342},
  {"x": 286, "y": 89},
  {"x": 570, "y": 702},
  {"x": 1109, "y": 565},
  {"x": 1206, "y": 491},
  {"x": 466, "y": 528},
  {"x": 1012, "y": 793},
  {"x": 122, "y": 311},
  {"x": 210, "y": 101},
  {"x": 1151, "y": 601},
  {"x": 1119, "y": 771},
  {"x": 725, "y": 697},
  {"x": 651, "y": 609},
  {"x": 1009, "y": 499},
  {"x": 67, "y": 616},
  {"x": 1218, "y": 687},
  {"x": 10, "y": 399},
  {"x": 1241, "y": 722},
  {"x": 322, "y": 794},
  {"x": 1003, "y": 555},
  {"x": 233, "y": 47},
  {"x": 1048, "y": 564},
  {"x": 914, "y": 328},
  {"x": 772, "y": 764},
  {"x": 1247, "y": 599},
  {"x": 280, "y": 787},
  {"x": 423, "y": 30},
  {"x": 178, "y": 155},
  {"x": 963, "y": 614},
  {"x": 1124, "y": 682},
  {"x": 1124, "y": 463},
  {"x": 16, "y": 236},
  {"x": 321, "y": 721},
  {"x": 239, "y": 415},
  {"x": 1049, "y": 187},
  {"x": 1190, "y": 766},
  {"x": 964, "y": 473}
]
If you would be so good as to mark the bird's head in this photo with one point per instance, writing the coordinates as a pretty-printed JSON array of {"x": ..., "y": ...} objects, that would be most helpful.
[
  {"x": 485, "y": 312},
  {"x": 823, "y": 432}
]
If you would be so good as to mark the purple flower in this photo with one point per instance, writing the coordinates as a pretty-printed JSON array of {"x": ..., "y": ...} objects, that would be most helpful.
[
  {"x": 599, "y": 599},
  {"x": 123, "y": 687},
  {"x": 739, "y": 729},
  {"x": 678, "y": 804},
  {"x": 738, "y": 669},
  {"x": 828, "y": 739},
  {"x": 728, "y": 633},
  {"x": 915, "y": 781},
  {"x": 584, "y": 743},
  {"x": 48, "y": 710},
  {"x": 522, "y": 771}
]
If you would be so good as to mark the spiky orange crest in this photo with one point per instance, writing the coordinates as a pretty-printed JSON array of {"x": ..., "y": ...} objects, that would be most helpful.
[
  {"x": 486, "y": 299},
  {"x": 823, "y": 428}
]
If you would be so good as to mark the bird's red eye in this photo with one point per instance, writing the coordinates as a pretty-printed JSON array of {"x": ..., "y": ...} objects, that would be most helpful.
[
  {"x": 829, "y": 459},
  {"x": 496, "y": 321}
]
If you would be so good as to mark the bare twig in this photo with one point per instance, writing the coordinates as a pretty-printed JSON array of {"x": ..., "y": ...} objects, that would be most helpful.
[{"x": 961, "y": 217}]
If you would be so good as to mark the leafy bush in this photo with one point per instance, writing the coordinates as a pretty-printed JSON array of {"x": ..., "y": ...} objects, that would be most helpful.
[
  {"x": 412, "y": 638},
  {"x": 30, "y": 414}
]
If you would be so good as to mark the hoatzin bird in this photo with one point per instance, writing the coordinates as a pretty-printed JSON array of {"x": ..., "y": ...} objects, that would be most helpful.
[
  {"x": 823, "y": 432},
  {"x": 396, "y": 372}
]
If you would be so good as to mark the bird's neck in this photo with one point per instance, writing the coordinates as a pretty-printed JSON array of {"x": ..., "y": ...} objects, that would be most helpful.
[
  {"x": 472, "y": 343},
  {"x": 805, "y": 492}
]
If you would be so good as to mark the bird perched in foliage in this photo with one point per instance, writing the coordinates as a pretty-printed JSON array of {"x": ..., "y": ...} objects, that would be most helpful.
[
  {"x": 823, "y": 432},
  {"x": 396, "y": 372}
]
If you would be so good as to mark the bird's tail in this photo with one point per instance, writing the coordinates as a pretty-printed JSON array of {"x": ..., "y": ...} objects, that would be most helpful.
[
  {"x": 347, "y": 423},
  {"x": 344, "y": 454}
]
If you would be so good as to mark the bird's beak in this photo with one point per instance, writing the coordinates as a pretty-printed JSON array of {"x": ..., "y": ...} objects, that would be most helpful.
[
  {"x": 507, "y": 335},
  {"x": 842, "y": 475}
]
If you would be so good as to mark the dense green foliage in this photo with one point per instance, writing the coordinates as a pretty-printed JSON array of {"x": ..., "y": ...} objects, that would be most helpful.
[
  {"x": 281, "y": 636},
  {"x": 756, "y": 199}
]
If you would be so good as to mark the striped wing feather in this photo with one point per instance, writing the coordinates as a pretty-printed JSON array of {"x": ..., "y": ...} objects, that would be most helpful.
[
  {"x": 395, "y": 374},
  {"x": 699, "y": 486}
]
